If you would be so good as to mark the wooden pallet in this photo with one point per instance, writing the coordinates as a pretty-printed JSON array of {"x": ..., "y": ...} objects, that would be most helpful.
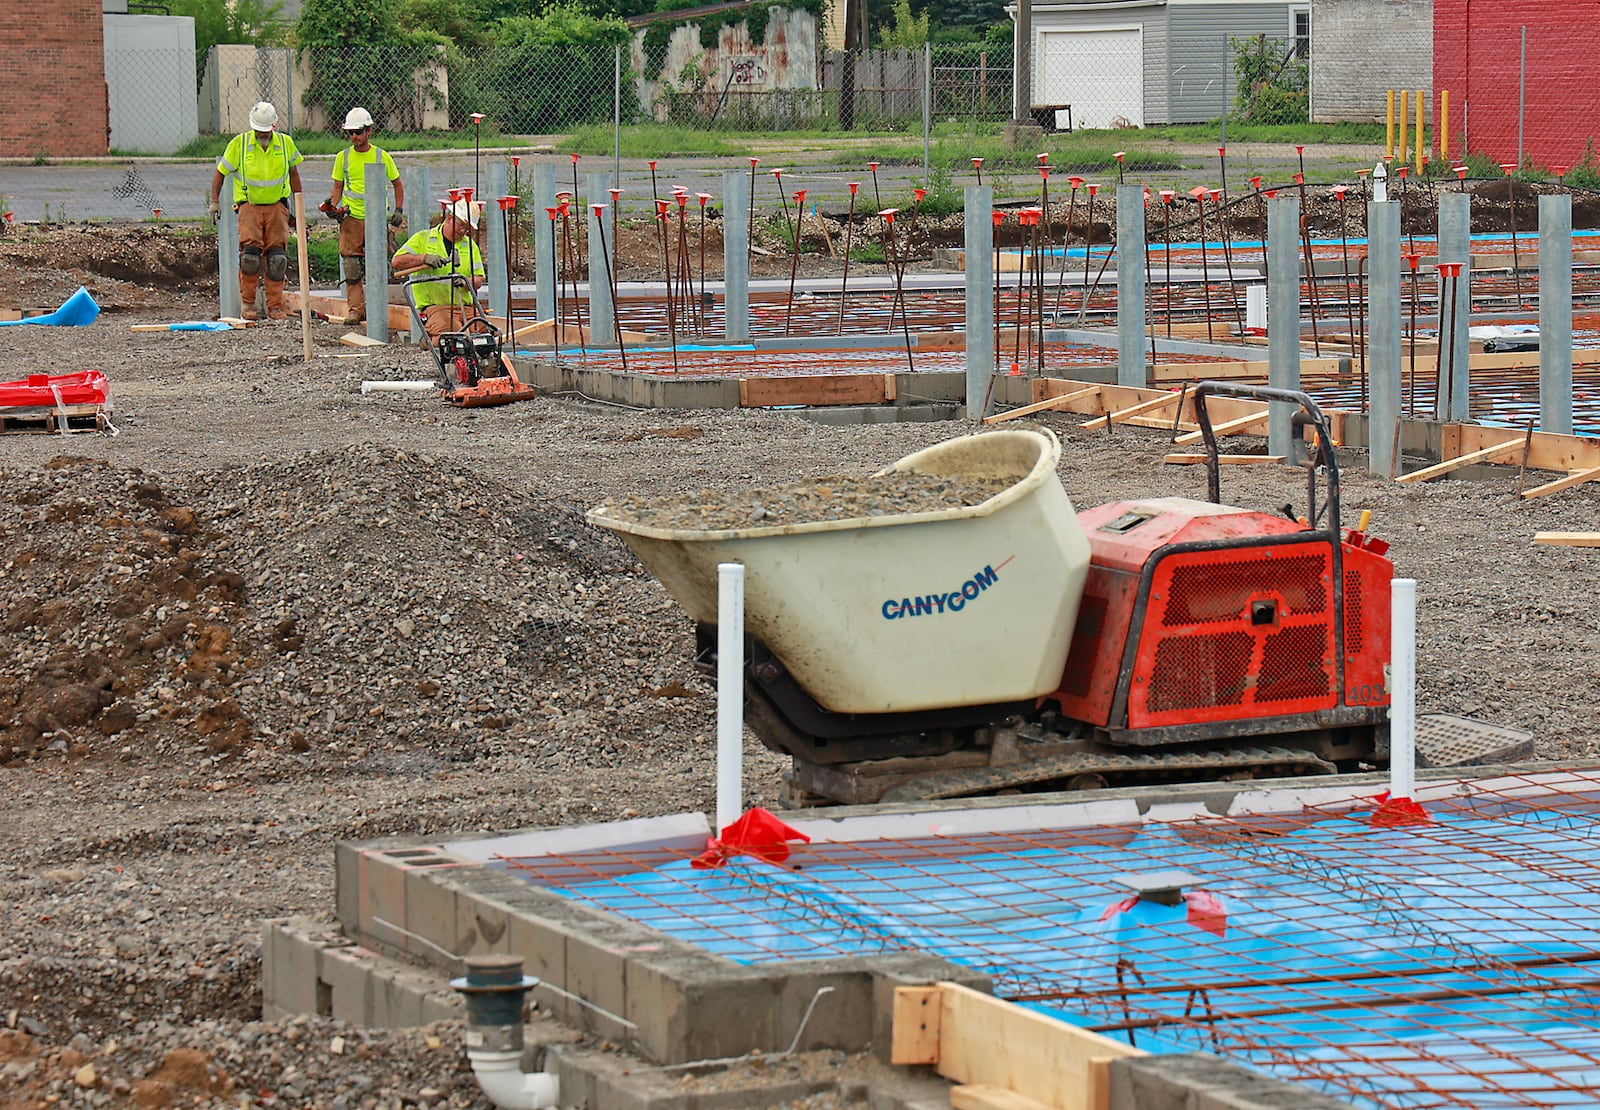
[{"x": 51, "y": 420}]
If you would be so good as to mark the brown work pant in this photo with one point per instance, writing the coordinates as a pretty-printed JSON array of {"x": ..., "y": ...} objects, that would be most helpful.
[
  {"x": 437, "y": 319},
  {"x": 265, "y": 226},
  {"x": 353, "y": 244}
]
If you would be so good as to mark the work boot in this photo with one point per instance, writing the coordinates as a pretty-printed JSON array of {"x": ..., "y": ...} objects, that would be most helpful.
[
  {"x": 277, "y": 313},
  {"x": 250, "y": 313},
  {"x": 353, "y": 317}
]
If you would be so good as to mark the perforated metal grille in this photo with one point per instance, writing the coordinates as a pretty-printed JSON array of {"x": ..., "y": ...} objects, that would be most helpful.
[
  {"x": 1197, "y": 671},
  {"x": 1203, "y": 593},
  {"x": 1292, "y": 664},
  {"x": 1353, "y": 625}
]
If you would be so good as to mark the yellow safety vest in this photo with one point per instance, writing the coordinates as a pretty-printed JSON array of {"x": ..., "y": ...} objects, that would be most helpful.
[
  {"x": 261, "y": 174},
  {"x": 350, "y": 167},
  {"x": 468, "y": 262}
]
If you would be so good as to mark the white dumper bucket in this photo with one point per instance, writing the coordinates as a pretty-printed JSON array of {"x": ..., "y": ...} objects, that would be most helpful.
[{"x": 922, "y": 610}]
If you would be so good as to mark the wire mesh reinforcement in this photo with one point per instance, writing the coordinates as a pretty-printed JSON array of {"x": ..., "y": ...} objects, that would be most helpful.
[{"x": 1446, "y": 964}]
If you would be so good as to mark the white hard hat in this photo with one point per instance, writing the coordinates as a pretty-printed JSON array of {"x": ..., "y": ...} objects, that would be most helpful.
[
  {"x": 263, "y": 117},
  {"x": 467, "y": 212},
  {"x": 357, "y": 119}
]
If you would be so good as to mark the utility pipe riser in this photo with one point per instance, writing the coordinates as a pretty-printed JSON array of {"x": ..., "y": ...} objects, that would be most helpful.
[
  {"x": 730, "y": 693},
  {"x": 1555, "y": 314},
  {"x": 1455, "y": 245},
  {"x": 506, "y": 1085},
  {"x": 736, "y": 255},
  {"x": 1383, "y": 331},
  {"x": 544, "y": 241},
  {"x": 1131, "y": 317},
  {"x": 602, "y": 319},
  {"x": 979, "y": 281},
  {"x": 376, "y": 252},
  {"x": 1402, "y": 687},
  {"x": 1283, "y": 319}
]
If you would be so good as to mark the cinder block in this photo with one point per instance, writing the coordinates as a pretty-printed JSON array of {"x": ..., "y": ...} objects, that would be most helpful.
[
  {"x": 597, "y": 972},
  {"x": 346, "y": 972},
  {"x": 288, "y": 971},
  {"x": 381, "y": 913},
  {"x": 543, "y": 948},
  {"x": 1201, "y": 1081},
  {"x": 430, "y": 913},
  {"x": 827, "y": 1004}
]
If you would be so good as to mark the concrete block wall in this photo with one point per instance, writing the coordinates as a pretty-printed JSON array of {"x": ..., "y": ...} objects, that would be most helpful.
[
  {"x": 56, "y": 71},
  {"x": 1477, "y": 56},
  {"x": 1362, "y": 48}
]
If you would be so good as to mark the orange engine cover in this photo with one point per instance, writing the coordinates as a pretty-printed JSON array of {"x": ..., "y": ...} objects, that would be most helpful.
[{"x": 1231, "y": 615}]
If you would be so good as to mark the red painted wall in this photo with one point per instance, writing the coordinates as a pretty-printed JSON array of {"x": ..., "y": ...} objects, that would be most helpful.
[
  {"x": 1477, "y": 56},
  {"x": 55, "y": 61}
]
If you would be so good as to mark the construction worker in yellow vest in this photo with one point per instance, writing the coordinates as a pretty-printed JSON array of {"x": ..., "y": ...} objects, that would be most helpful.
[
  {"x": 266, "y": 169},
  {"x": 443, "y": 251},
  {"x": 348, "y": 205}
]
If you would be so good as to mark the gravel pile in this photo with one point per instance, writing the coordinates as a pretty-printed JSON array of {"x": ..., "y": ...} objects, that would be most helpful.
[{"x": 273, "y": 613}]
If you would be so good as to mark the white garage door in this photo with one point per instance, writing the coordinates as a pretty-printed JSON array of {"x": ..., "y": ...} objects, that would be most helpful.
[{"x": 1099, "y": 72}]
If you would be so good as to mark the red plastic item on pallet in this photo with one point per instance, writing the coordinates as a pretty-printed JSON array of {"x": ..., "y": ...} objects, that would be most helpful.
[{"x": 86, "y": 387}]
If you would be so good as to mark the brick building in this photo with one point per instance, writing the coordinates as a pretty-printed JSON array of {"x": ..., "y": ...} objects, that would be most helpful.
[
  {"x": 1477, "y": 56},
  {"x": 56, "y": 75},
  {"x": 1360, "y": 49}
]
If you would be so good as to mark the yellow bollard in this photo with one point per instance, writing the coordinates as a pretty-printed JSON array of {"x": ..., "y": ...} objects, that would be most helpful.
[
  {"x": 1422, "y": 144},
  {"x": 1389, "y": 120},
  {"x": 1441, "y": 125},
  {"x": 1402, "y": 148}
]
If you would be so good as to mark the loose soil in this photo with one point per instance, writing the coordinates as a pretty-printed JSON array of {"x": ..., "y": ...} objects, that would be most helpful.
[{"x": 272, "y": 613}]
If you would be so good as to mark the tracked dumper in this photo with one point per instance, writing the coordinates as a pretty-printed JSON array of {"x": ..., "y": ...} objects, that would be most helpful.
[{"x": 1008, "y": 643}]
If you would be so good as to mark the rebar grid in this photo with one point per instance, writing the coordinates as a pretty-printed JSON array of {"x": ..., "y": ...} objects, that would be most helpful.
[{"x": 1451, "y": 964}]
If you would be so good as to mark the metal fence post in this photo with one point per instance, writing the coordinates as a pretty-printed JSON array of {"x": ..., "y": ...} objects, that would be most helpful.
[
  {"x": 1283, "y": 318},
  {"x": 980, "y": 299},
  {"x": 616, "y": 113},
  {"x": 1384, "y": 347},
  {"x": 1555, "y": 314},
  {"x": 377, "y": 252},
  {"x": 419, "y": 210},
  {"x": 927, "y": 112},
  {"x": 228, "y": 253}
]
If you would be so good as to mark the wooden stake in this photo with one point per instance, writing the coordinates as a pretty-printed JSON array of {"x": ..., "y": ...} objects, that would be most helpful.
[{"x": 305, "y": 274}]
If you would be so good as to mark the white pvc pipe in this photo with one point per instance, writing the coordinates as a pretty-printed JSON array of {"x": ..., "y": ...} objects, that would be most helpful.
[
  {"x": 398, "y": 387},
  {"x": 730, "y": 693},
  {"x": 1402, "y": 687},
  {"x": 501, "y": 1076}
]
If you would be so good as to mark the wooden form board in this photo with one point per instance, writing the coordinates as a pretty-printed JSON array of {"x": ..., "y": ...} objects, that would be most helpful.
[
  {"x": 1053, "y": 403},
  {"x": 334, "y": 308},
  {"x": 1120, "y": 398},
  {"x": 1181, "y": 459},
  {"x": 1547, "y": 451},
  {"x": 1255, "y": 368},
  {"x": 845, "y": 389},
  {"x": 1576, "y": 478},
  {"x": 997, "y": 1049},
  {"x": 1568, "y": 539}
]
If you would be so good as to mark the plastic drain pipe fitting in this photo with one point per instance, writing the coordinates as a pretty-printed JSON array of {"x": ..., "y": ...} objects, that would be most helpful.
[{"x": 494, "y": 987}]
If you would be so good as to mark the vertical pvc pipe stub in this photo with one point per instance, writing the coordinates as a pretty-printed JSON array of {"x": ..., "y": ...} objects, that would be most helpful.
[{"x": 494, "y": 987}]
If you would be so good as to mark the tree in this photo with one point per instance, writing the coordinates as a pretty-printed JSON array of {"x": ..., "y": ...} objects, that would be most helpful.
[
  {"x": 909, "y": 32},
  {"x": 219, "y": 21},
  {"x": 360, "y": 54}
]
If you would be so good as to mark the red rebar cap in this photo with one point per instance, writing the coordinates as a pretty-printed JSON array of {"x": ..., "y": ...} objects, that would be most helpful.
[
  {"x": 683, "y": 199},
  {"x": 1450, "y": 269},
  {"x": 1043, "y": 156},
  {"x": 1199, "y": 192},
  {"x": 703, "y": 198},
  {"x": 598, "y": 207},
  {"x": 977, "y": 162},
  {"x": 507, "y": 203},
  {"x": 1509, "y": 167},
  {"x": 1461, "y": 172},
  {"x": 854, "y": 185},
  {"x": 1272, "y": 194},
  {"x": 455, "y": 195},
  {"x": 1299, "y": 148},
  {"x": 1216, "y": 195},
  {"x": 1167, "y": 195},
  {"x": 1403, "y": 170},
  {"x": 799, "y": 196},
  {"x": 575, "y": 159},
  {"x": 1561, "y": 171},
  {"x": 1340, "y": 190},
  {"x": 466, "y": 194},
  {"x": 1074, "y": 180},
  {"x": 1092, "y": 187},
  {"x": 1414, "y": 260},
  {"x": 888, "y": 214},
  {"x": 554, "y": 212},
  {"x": 1300, "y": 178},
  {"x": 919, "y": 193},
  {"x": 1119, "y": 155},
  {"x": 1363, "y": 173},
  {"x": 652, "y": 163},
  {"x": 998, "y": 218},
  {"x": 516, "y": 159},
  {"x": 615, "y": 193},
  {"x": 753, "y": 162},
  {"x": 1255, "y": 183},
  {"x": 1222, "y": 152},
  {"x": 662, "y": 206},
  {"x": 873, "y": 166},
  {"x": 477, "y": 117}
]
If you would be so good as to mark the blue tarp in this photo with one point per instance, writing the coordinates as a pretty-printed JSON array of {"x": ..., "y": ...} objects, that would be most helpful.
[{"x": 78, "y": 311}]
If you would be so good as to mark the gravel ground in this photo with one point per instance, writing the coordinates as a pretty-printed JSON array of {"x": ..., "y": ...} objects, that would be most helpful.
[{"x": 272, "y": 613}]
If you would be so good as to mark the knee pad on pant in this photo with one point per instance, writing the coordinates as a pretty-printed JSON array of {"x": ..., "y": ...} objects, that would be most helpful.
[
  {"x": 277, "y": 264},
  {"x": 250, "y": 260},
  {"x": 354, "y": 268}
]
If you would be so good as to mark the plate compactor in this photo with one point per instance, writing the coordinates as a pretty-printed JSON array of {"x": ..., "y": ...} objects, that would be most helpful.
[{"x": 474, "y": 370}]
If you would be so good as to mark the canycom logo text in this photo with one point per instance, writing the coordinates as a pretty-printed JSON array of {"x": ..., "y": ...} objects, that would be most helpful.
[{"x": 929, "y": 605}]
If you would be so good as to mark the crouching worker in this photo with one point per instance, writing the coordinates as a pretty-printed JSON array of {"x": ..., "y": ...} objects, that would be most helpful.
[
  {"x": 265, "y": 165},
  {"x": 444, "y": 305}
]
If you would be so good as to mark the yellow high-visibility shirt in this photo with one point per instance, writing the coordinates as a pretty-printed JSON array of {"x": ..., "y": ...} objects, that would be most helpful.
[
  {"x": 350, "y": 167},
  {"x": 465, "y": 258},
  {"x": 261, "y": 173}
]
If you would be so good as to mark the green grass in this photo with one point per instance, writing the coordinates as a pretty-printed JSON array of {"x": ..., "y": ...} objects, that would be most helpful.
[
  {"x": 654, "y": 140},
  {"x": 320, "y": 142}
]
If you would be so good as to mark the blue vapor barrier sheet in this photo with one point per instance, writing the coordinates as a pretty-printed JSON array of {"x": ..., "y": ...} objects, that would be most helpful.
[
  {"x": 77, "y": 311},
  {"x": 1370, "y": 964}
]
